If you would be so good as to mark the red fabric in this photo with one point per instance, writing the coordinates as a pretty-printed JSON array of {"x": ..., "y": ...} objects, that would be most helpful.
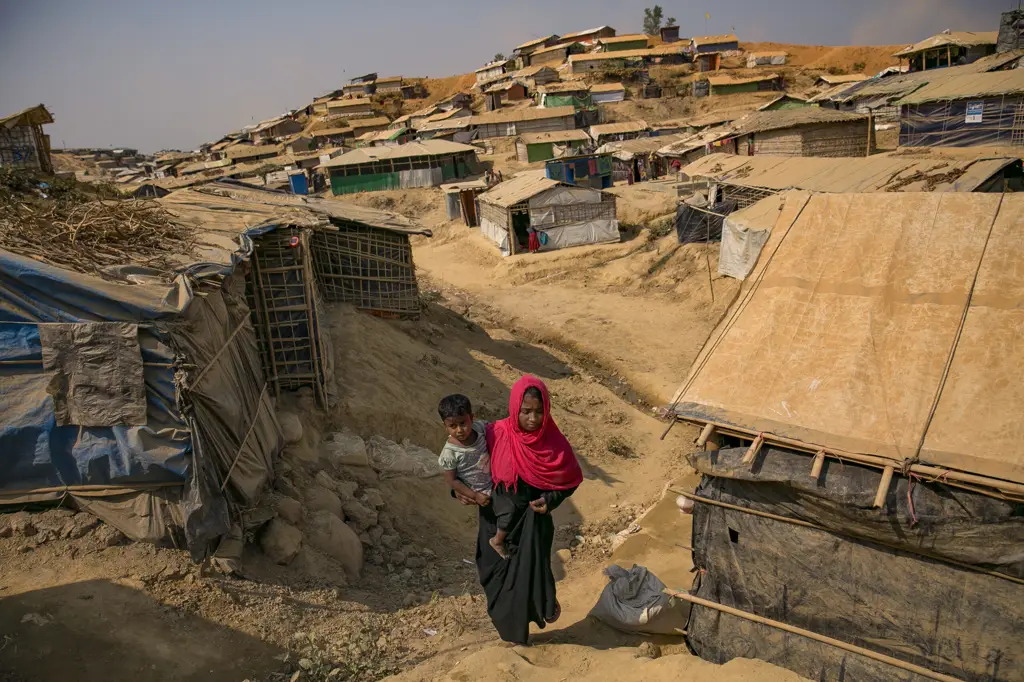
[
  {"x": 544, "y": 458},
  {"x": 534, "y": 245}
]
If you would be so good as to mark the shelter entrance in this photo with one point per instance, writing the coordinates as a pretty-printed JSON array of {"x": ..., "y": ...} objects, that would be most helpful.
[{"x": 521, "y": 226}]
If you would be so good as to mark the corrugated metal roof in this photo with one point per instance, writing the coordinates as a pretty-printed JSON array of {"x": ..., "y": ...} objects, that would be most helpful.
[
  {"x": 564, "y": 86},
  {"x": 628, "y": 38},
  {"x": 659, "y": 51},
  {"x": 360, "y": 123},
  {"x": 621, "y": 127},
  {"x": 546, "y": 50},
  {"x": 245, "y": 151},
  {"x": 347, "y": 103},
  {"x": 761, "y": 121},
  {"x": 957, "y": 38},
  {"x": 930, "y": 172},
  {"x": 492, "y": 65},
  {"x": 845, "y": 78},
  {"x": 555, "y": 136},
  {"x": 719, "y": 81},
  {"x": 517, "y": 189},
  {"x": 580, "y": 34},
  {"x": 402, "y": 151},
  {"x": 607, "y": 87},
  {"x": 714, "y": 40},
  {"x": 536, "y": 41},
  {"x": 447, "y": 124},
  {"x": 328, "y": 132},
  {"x": 967, "y": 85},
  {"x": 514, "y": 115},
  {"x": 37, "y": 115}
]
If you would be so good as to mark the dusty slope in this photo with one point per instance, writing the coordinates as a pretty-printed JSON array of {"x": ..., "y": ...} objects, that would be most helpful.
[{"x": 844, "y": 57}]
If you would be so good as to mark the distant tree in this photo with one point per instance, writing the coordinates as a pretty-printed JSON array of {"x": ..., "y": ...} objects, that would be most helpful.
[
  {"x": 652, "y": 20},
  {"x": 499, "y": 57},
  {"x": 671, "y": 21}
]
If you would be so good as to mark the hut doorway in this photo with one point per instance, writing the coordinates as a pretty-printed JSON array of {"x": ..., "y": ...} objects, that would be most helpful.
[{"x": 521, "y": 226}]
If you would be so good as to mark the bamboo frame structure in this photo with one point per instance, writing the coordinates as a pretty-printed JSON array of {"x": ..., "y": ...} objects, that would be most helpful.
[
  {"x": 368, "y": 267},
  {"x": 284, "y": 300}
]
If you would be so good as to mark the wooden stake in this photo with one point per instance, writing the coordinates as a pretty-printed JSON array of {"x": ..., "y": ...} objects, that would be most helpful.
[
  {"x": 786, "y": 627},
  {"x": 702, "y": 439},
  {"x": 754, "y": 448},
  {"x": 883, "y": 487},
  {"x": 819, "y": 462}
]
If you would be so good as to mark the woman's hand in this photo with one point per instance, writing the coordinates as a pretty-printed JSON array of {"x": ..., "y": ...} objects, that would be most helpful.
[{"x": 540, "y": 505}]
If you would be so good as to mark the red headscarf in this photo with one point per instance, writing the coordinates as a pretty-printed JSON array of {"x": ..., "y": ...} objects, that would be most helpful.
[{"x": 544, "y": 458}]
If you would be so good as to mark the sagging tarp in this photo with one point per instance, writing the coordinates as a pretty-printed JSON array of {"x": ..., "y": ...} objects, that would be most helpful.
[
  {"x": 861, "y": 576},
  {"x": 880, "y": 324},
  {"x": 80, "y": 353},
  {"x": 697, "y": 220}
]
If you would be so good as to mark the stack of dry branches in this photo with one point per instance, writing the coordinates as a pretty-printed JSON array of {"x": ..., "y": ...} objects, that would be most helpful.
[{"x": 93, "y": 235}]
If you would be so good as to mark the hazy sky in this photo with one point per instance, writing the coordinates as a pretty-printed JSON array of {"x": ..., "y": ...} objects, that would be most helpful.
[{"x": 173, "y": 73}]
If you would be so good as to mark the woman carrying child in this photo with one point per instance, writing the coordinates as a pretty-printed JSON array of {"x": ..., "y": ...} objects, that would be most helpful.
[{"x": 534, "y": 469}]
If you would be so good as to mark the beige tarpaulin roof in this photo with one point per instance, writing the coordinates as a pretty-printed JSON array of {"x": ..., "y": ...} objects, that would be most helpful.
[{"x": 866, "y": 312}]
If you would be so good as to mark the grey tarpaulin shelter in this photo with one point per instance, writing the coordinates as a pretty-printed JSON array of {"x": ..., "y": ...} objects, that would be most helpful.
[{"x": 866, "y": 480}]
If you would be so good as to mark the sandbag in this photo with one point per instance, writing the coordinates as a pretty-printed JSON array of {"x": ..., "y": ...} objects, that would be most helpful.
[
  {"x": 390, "y": 459},
  {"x": 635, "y": 601}
]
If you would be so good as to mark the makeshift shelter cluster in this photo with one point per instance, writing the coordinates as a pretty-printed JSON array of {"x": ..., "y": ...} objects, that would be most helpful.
[
  {"x": 143, "y": 396},
  {"x": 23, "y": 144},
  {"x": 562, "y": 215},
  {"x": 860, "y": 408}
]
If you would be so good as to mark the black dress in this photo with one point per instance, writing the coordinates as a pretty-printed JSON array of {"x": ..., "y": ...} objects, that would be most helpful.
[{"x": 520, "y": 589}]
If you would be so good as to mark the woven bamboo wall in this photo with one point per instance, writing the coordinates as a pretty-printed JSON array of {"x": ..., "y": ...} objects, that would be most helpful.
[
  {"x": 368, "y": 267},
  {"x": 286, "y": 311}
]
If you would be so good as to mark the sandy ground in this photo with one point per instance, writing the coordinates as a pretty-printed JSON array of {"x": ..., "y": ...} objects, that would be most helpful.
[{"x": 844, "y": 57}]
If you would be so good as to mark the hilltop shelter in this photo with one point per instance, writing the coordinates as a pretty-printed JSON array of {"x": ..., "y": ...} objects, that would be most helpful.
[
  {"x": 721, "y": 43},
  {"x": 583, "y": 170},
  {"x": 561, "y": 214},
  {"x": 533, "y": 147},
  {"x": 460, "y": 201},
  {"x": 606, "y": 93},
  {"x": 615, "y": 132},
  {"x": 519, "y": 121},
  {"x": 860, "y": 460},
  {"x": 965, "y": 111},
  {"x": 727, "y": 85},
  {"x": 453, "y": 129},
  {"x": 708, "y": 61},
  {"x": 535, "y": 76},
  {"x": 23, "y": 144},
  {"x": 556, "y": 54},
  {"x": 669, "y": 34},
  {"x": 636, "y": 160},
  {"x": 633, "y": 41},
  {"x": 531, "y": 46},
  {"x": 949, "y": 48},
  {"x": 565, "y": 94},
  {"x": 828, "y": 80},
  {"x": 427, "y": 163},
  {"x": 331, "y": 137},
  {"x": 242, "y": 153},
  {"x": 582, "y": 64},
  {"x": 361, "y": 126},
  {"x": 491, "y": 71},
  {"x": 350, "y": 108},
  {"x": 785, "y": 101},
  {"x": 770, "y": 58},
  {"x": 589, "y": 37}
]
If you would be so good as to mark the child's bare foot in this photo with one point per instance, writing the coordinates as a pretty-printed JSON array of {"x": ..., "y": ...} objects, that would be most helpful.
[{"x": 498, "y": 546}]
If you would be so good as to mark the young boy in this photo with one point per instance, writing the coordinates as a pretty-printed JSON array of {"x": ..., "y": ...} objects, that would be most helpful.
[{"x": 464, "y": 459}]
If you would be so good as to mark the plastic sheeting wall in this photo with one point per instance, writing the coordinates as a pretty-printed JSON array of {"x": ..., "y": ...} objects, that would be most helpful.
[
  {"x": 497, "y": 234},
  {"x": 592, "y": 232},
  {"x": 843, "y": 582},
  {"x": 996, "y": 121},
  {"x": 741, "y": 247}
]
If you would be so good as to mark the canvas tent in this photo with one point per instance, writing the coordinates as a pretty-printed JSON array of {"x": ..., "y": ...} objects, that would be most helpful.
[
  {"x": 564, "y": 215},
  {"x": 864, "y": 393}
]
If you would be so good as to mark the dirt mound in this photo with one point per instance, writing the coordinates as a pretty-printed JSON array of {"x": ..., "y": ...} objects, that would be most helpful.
[{"x": 441, "y": 88}]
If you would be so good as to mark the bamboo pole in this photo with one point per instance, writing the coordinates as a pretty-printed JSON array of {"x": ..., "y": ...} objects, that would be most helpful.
[
  {"x": 839, "y": 644},
  {"x": 947, "y": 476}
]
